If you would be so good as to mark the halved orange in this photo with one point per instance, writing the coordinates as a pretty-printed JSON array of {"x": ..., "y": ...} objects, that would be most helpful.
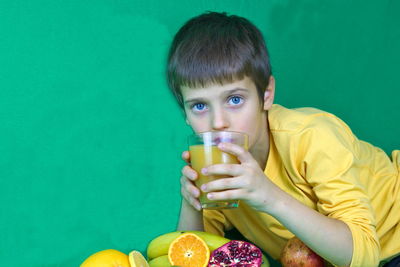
[{"x": 189, "y": 250}]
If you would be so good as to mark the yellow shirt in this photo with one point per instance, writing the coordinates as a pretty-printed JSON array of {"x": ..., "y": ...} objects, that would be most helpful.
[{"x": 316, "y": 158}]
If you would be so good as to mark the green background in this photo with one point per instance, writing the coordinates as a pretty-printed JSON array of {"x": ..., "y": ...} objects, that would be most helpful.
[{"x": 90, "y": 137}]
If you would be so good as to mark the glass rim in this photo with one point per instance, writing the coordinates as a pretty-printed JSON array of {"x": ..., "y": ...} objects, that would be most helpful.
[
  {"x": 213, "y": 138},
  {"x": 210, "y": 132}
]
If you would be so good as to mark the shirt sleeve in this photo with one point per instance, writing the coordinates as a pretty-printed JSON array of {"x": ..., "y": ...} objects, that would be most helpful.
[
  {"x": 327, "y": 151},
  {"x": 215, "y": 222}
]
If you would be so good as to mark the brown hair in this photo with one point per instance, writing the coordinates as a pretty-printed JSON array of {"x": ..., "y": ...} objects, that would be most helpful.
[{"x": 217, "y": 48}]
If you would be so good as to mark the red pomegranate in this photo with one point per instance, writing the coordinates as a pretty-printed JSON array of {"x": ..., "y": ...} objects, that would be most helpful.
[
  {"x": 296, "y": 254},
  {"x": 236, "y": 254}
]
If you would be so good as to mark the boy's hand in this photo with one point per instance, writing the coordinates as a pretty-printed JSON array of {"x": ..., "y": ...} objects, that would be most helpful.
[
  {"x": 189, "y": 190},
  {"x": 247, "y": 182}
]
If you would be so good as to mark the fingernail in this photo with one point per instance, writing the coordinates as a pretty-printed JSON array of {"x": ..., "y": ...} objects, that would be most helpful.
[
  {"x": 204, "y": 171},
  {"x": 203, "y": 187},
  {"x": 195, "y": 193},
  {"x": 210, "y": 196}
]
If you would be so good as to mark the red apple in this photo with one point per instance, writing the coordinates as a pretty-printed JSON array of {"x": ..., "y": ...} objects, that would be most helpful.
[{"x": 296, "y": 254}]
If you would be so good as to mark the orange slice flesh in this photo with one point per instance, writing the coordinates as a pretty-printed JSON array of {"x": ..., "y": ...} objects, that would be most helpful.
[{"x": 189, "y": 250}]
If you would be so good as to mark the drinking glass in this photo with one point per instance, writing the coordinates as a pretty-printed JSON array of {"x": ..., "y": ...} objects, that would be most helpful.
[{"x": 204, "y": 152}]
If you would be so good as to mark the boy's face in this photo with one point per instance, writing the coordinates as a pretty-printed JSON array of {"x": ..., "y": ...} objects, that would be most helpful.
[{"x": 230, "y": 107}]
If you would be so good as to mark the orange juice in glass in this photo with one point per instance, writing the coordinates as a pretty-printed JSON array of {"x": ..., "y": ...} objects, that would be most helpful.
[{"x": 204, "y": 152}]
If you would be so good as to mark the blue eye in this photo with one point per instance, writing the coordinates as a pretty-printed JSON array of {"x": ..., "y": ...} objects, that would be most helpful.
[
  {"x": 235, "y": 100},
  {"x": 199, "y": 106}
]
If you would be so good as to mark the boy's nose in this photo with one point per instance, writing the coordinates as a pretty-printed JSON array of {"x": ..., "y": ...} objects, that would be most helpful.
[{"x": 219, "y": 121}]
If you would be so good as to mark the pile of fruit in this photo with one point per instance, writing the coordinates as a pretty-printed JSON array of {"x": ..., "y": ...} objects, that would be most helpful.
[
  {"x": 184, "y": 249},
  {"x": 201, "y": 249}
]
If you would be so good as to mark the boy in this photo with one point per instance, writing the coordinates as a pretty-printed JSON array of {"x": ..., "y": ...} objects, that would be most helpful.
[{"x": 305, "y": 173}]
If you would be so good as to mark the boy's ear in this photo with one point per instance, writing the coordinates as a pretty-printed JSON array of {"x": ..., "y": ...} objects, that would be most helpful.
[{"x": 269, "y": 93}]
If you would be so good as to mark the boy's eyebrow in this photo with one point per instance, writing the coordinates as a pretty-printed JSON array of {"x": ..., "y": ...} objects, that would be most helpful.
[
  {"x": 235, "y": 90},
  {"x": 197, "y": 99},
  {"x": 228, "y": 92}
]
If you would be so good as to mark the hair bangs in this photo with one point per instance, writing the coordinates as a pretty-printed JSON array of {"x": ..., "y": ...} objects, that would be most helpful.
[
  {"x": 217, "y": 49},
  {"x": 200, "y": 71}
]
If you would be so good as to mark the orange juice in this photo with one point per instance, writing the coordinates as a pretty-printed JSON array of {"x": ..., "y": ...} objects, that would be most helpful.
[{"x": 203, "y": 156}]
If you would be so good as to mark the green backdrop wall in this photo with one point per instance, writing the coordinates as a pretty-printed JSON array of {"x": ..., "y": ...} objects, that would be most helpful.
[{"x": 90, "y": 138}]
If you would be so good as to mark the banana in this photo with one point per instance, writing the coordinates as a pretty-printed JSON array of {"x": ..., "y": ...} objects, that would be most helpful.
[
  {"x": 213, "y": 241},
  {"x": 161, "y": 261},
  {"x": 265, "y": 261},
  {"x": 160, "y": 245}
]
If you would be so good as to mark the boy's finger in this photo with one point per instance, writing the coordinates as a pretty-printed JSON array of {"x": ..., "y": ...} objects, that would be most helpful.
[
  {"x": 191, "y": 192},
  {"x": 242, "y": 154},
  {"x": 226, "y": 195},
  {"x": 189, "y": 173},
  {"x": 196, "y": 204},
  {"x": 223, "y": 169},
  {"x": 188, "y": 186},
  {"x": 186, "y": 156},
  {"x": 192, "y": 201},
  {"x": 223, "y": 184}
]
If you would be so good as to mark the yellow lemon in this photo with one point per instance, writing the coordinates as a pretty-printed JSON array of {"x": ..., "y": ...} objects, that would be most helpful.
[{"x": 107, "y": 258}]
